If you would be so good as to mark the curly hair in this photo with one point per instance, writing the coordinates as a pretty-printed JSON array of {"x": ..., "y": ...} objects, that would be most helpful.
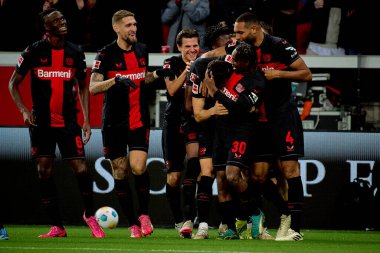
[{"x": 213, "y": 32}]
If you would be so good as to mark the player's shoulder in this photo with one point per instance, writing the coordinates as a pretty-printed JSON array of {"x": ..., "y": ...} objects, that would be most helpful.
[
  {"x": 74, "y": 47},
  {"x": 174, "y": 60}
]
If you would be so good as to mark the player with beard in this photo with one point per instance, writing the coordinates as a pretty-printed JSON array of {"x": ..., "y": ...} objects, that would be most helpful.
[
  {"x": 120, "y": 73},
  {"x": 283, "y": 140},
  {"x": 234, "y": 132}
]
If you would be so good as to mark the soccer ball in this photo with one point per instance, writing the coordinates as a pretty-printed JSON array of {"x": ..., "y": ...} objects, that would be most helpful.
[{"x": 107, "y": 217}]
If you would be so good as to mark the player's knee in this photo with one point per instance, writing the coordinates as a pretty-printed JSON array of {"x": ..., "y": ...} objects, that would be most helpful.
[{"x": 173, "y": 179}]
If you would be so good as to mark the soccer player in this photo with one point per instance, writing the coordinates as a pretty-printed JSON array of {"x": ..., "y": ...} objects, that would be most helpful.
[
  {"x": 205, "y": 112},
  {"x": 235, "y": 131},
  {"x": 120, "y": 73},
  {"x": 56, "y": 66},
  {"x": 281, "y": 64},
  {"x": 179, "y": 135}
]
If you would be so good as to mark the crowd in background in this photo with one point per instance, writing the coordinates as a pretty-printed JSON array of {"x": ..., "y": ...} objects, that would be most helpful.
[{"x": 298, "y": 21}]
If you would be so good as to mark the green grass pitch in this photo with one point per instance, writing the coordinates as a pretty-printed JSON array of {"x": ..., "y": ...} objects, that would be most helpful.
[{"x": 25, "y": 239}]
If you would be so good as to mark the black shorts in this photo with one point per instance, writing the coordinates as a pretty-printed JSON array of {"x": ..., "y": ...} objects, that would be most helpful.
[
  {"x": 116, "y": 140},
  {"x": 173, "y": 146},
  {"x": 263, "y": 143},
  {"x": 287, "y": 133},
  {"x": 190, "y": 129},
  {"x": 206, "y": 140},
  {"x": 233, "y": 147},
  {"x": 44, "y": 141}
]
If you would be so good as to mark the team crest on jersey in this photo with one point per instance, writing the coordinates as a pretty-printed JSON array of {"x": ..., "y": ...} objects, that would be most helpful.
[
  {"x": 20, "y": 60},
  {"x": 43, "y": 60},
  {"x": 267, "y": 57},
  {"x": 96, "y": 64},
  {"x": 142, "y": 61},
  {"x": 195, "y": 88},
  {"x": 228, "y": 58},
  {"x": 239, "y": 88},
  {"x": 69, "y": 61},
  {"x": 119, "y": 65}
]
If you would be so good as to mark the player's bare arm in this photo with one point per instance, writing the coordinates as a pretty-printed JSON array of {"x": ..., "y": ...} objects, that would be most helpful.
[
  {"x": 84, "y": 98},
  {"x": 299, "y": 72},
  {"x": 13, "y": 87},
  {"x": 98, "y": 85}
]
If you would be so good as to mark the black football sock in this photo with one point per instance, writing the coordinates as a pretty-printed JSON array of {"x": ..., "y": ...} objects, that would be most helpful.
[
  {"x": 248, "y": 205},
  {"x": 142, "y": 186},
  {"x": 189, "y": 187},
  {"x": 272, "y": 193},
  {"x": 204, "y": 196},
  {"x": 230, "y": 214},
  {"x": 49, "y": 200},
  {"x": 173, "y": 195},
  {"x": 85, "y": 188},
  {"x": 123, "y": 193},
  {"x": 295, "y": 202}
]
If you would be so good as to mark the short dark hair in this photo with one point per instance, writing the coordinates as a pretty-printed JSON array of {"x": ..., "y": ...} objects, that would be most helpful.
[
  {"x": 249, "y": 18},
  {"x": 46, "y": 12},
  {"x": 221, "y": 71},
  {"x": 186, "y": 33}
]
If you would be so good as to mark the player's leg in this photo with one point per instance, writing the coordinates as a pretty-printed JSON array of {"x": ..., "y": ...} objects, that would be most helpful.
[
  {"x": 138, "y": 153},
  {"x": 114, "y": 148},
  {"x": 71, "y": 146},
  {"x": 43, "y": 143},
  {"x": 173, "y": 147}
]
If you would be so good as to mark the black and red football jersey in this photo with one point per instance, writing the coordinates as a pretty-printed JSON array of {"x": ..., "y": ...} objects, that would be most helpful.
[
  {"x": 54, "y": 74},
  {"x": 175, "y": 105},
  {"x": 124, "y": 106},
  {"x": 273, "y": 53}
]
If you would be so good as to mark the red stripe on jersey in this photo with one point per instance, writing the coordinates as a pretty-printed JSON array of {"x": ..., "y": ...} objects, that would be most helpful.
[
  {"x": 56, "y": 101},
  {"x": 134, "y": 94}
]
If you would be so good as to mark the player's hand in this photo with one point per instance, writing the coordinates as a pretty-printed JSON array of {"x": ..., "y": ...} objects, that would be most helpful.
[
  {"x": 219, "y": 109},
  {"x": 29, "y": 118},
  {"x": 125, "y": 81},
  {"x": 86, "y": 132},
  {"x": 164, "y": 72}
]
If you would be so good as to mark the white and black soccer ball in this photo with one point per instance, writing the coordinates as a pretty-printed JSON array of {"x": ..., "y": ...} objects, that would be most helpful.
[{"x": 107, "y": 217}]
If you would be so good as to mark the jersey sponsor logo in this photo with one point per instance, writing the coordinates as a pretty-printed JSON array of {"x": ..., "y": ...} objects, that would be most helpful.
[
  {"x": 229, "y": 94},
  {"x": 239, "y": 88},
  {"x": 48, "y": 74},
  {"x": 20, "y": 60},
  {"x": 96, "y": 64},
  {"x": 134, "y": 76},
  {"x": 69, "y": 61},
  {"x": 195, "y": 88}
]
